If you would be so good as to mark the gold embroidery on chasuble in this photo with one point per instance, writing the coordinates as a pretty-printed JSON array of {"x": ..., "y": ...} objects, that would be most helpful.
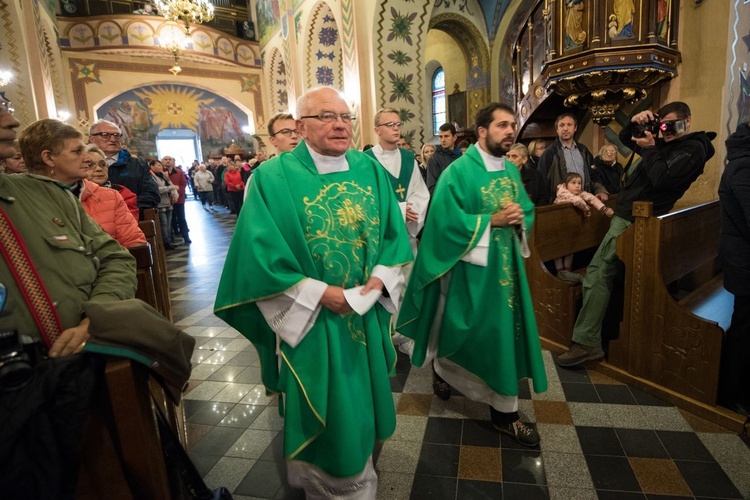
[
  {"x": 342, "y": 223},
  {"x": 499, "y": 192}
]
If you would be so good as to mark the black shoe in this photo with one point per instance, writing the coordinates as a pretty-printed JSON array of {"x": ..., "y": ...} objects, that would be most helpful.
[
  {"x": 167, "y": 246},
  {"x": 187, "y": 242},
  {"x": 523, "y": 433},
  {"x": 441, "y": 388}
]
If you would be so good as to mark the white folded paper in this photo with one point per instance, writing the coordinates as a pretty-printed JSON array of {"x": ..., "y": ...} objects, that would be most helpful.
[{"x": 361, "y": 303}]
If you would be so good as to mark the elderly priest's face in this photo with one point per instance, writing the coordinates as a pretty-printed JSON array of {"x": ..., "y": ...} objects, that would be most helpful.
[{"x": 325, "y": 136}]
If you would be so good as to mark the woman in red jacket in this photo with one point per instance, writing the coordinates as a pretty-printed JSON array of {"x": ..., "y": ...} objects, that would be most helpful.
[
  {"x": 235, "y": 187},
  {"x": 107, "y": 206}
]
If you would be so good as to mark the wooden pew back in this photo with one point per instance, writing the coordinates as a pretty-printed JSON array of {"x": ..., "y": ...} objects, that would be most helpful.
[
  {"x": 559, "y": 230},
  {"x": 660, "y": 340},
  {"x": 151, "y": 229},
  {"x": 144, "y": 264}
]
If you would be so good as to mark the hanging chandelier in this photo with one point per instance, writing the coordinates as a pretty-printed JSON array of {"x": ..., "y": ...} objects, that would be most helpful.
[
  {"x": 187, "y": 11},
  {"x": 175, "y": 42}
]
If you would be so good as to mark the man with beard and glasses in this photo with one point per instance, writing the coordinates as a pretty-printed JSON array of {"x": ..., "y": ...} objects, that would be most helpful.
[
  {"x": 124, "y": 169},
  {"x": 468, "y": 305}
]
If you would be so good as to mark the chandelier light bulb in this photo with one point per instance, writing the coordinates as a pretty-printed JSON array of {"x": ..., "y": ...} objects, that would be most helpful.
[{"x": 5, "y": 77}]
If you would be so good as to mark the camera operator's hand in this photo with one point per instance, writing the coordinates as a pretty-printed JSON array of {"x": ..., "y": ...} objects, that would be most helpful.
[
  {"x": 71, "y": 341},
  {"x": 643, "y": 117},
  {"x": 645, "y": 141}
]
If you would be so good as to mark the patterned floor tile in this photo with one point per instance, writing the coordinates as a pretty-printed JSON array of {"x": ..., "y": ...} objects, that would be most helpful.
[
  {"x": 480, "y": 463},
  {"x": 563, "y": 469},
  {"x": 659, "y": 476},
  {"x": 553, "y": 412}
]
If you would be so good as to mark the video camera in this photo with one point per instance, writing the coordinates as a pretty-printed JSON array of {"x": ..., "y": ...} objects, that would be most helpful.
[
  {"x": 654, "y": 126},
  {"x": 15, "y": 363}
]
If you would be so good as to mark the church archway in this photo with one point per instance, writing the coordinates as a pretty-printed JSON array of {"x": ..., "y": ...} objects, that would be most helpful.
[{"x": 142, "y": 112}]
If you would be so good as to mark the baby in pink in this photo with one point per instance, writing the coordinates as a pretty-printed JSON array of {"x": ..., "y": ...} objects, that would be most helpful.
[{"x": 571, "y": 191}]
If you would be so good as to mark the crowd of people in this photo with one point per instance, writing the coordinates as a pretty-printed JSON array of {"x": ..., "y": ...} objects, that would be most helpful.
[{"x": 341, "y": 256}]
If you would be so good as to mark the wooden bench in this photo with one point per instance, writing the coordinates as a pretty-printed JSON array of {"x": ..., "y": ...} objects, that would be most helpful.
[
  {"x": 559, "y": 230},
  {"x": 667, "y": 346},
  {"x": 144, "y": 265},
  {"x": 150, "y": 227},
  {"x": 122, "y": 456}
]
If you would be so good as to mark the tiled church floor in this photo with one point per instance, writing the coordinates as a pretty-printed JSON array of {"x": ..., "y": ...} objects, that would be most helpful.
[{"x": 599, "y": 438}]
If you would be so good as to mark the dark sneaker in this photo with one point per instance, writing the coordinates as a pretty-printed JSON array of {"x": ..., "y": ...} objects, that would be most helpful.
[
  {"x": 579, "y": 354},
  {"x": 523, "y": 433},
  {"x": 441, "y": 388}
]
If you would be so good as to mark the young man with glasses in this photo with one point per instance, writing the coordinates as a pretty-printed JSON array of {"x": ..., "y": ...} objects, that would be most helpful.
[
  {"x": 317, "y": 300},
  {"x": 124, "y": 168},
  {"x": 410, "y": 190},
  {"x": 408, "y": 186},
  {"x": 282, "y": 132}
]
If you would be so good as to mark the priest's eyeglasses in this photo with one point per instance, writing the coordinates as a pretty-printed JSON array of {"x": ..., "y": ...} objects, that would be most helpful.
[
  {"x": 286, "y": 132},
  {"x": 330, "y": 117},
  {"x": 107, "y": 135},
  {"x": 7, "y": 106},
  {"x": 391, "y": 125}
]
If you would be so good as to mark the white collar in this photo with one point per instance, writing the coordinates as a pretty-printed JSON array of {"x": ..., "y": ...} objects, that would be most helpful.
[
  {"x": 378, "y": 149},
  {"x": 328, "y": 164},
  {"x": 491, "y": 163}
]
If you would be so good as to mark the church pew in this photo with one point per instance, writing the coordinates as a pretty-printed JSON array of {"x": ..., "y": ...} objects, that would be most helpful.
[
  {"x": 151, "y": 228},
  {"x": 122, "y": 454},
  {"x": 144, "y": 265},
  {"x": 668, "y": 346},
  {"x": 559, "y": 230}
]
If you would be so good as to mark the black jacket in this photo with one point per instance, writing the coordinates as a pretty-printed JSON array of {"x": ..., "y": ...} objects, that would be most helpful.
[
  {"x": 439, "y": 162},
  {"x": 552, "y": 166},
  {"x": 665, "y": 172},
  {"x": 734, "y": 194},
  {"x": 133, "y": 173},
  {"x": 535, "y": 184},
  {"x": 608, "y": 175}
]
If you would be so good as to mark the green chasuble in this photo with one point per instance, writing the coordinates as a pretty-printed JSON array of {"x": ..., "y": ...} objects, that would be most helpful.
[
  {"x": 400, "y": 184},
  {"x": 488, "y": 327},
  {"x": 335, "y": 228}
]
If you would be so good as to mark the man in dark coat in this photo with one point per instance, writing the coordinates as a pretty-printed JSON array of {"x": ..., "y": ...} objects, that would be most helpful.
[
  {"x": 444, "y": 155},
  {"x": 124, "y": 169},
  {"x": 734, "y": 250}
]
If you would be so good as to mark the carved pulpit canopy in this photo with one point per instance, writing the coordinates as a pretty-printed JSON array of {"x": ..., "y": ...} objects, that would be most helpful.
[
  {"x": 602, "y": 81},
  {"x": 596, "y": 54}
]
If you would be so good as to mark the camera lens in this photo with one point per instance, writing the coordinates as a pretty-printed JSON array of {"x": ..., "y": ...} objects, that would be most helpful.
[{"x": 15, "y": 373}]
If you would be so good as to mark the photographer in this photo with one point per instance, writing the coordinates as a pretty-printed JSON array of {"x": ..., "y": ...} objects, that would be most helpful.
[{"x": 669, "y": 166}]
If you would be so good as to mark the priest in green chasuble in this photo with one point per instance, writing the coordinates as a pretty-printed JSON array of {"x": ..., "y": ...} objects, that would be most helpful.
[
  {"x": 468, "y": 305},
  {"x": 312, "y": 277}
]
